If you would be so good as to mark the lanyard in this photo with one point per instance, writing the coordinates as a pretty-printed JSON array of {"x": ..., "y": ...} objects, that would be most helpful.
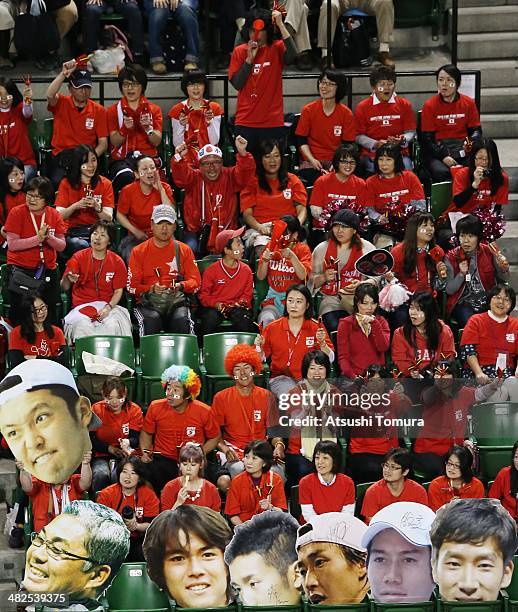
[
  {"x": 292, "y": 350},
  {"x": 97, "y": 274},
  {"x": 42, "y": 256},
  {"x": 65, "y": 499}
]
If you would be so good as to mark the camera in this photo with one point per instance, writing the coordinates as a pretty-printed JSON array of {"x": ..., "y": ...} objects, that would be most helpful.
[
  {"x": 127, "y": 513},
  {"x": 486, "y": 173}
]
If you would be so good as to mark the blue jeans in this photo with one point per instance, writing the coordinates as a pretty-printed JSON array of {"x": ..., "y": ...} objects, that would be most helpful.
[
  {"x": 186, "y": 17},
  {"x": 129, "y": 9}
]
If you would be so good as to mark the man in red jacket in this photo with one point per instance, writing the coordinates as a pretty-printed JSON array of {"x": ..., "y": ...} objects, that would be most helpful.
[
  {"x": 161, "y": 273},
  {"x": 227, "y": 287},
  {"x": 210, "y": 203}
]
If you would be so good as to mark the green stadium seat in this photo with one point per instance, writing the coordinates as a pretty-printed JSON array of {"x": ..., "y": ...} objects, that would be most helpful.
[
  {"x": 230, "y": 608},
  {"x": 294, "y": 608},
  {"x": 424, "y": 606},
  {"x": 475, "y": 606},
  {"x": 295, "y": 509},
  {"x": 158, "y": 352},
  {"x": 119, "y": 348},
  {"x": 440, "y": 198},
  {"x": 133, "y": 591},
  {"x": 207, "y": 261},
  {"x": 494, "y": 432},
  {"x": 358, "y": 607},
  {"x": 215, "y": 347},
  {"x": 411, "y": 14}
]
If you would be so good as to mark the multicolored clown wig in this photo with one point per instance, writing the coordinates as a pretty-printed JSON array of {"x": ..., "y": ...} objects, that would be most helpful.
[
  {"x": 184, "y": 375},
  {"x": 242, "y": 353}
]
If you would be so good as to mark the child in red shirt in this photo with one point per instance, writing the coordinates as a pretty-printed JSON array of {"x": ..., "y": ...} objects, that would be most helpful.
[
  {"x": 49, "y": 500},
  {"x": 190, "y": 487},
  {"x": 256, "y": 489},
  {"x": 227, "y": 287}
]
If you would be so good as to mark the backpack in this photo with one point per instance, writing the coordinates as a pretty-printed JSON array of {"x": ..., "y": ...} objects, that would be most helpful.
[
  {"x": 35, "y": 32},
  {"x": 173, "y": 45},
  {"x": 351, "y": 43}
]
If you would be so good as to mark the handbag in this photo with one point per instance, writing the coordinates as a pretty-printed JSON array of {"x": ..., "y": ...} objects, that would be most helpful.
[
  {"x": 36, "y": 33},
  {"x": 24, "y": 284}
]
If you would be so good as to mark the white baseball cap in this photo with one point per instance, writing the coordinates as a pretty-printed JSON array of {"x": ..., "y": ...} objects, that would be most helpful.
[
  {"x": 333, "y": 527},
  {"x": 39, "y": 373},
  {"x": 163, "y": 212},
  {"x": 209, "y": 149},
  {"x": 410, "y": 519}
]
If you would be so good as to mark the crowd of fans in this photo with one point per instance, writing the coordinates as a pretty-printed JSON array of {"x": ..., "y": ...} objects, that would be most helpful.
[{"x": 448, "y": 341}]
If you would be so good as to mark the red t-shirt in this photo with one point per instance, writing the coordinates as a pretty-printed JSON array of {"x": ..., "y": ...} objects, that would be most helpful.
[
  {"x": 40, "y": 494},
  {"x": 421, "y": 277},
  {"x": 260, "y": 101},
  {"x": 144, "y": 502},
  {"x": 331, "y": 498},
  {"x": 403, "y": 188},
  {"x": 482, "y": 196},
  {"x": 14, "y": 135},
  {"x": 115, "y": 426},
  {"x": 19, "y": 222},
  {"x": 243, "y": 497},
  {"x": 449, "y": 120},
  {"x": 67, "y": 195},
  {"x": 379, "y": 120},
  {"x": 492, "y": 338},
  {"x": 328, "y": 188},
  {"x": 281, "y": 273},
  {"x": 441, "y": 492},
  {"x": 136, "y": 139},
  {"x": 138, "y": 206},
  {"x": 74, "y": 126},
  {"x": 286, "y": 350},
  {"x": 172, "y": 429},
  {"x": 326, "y": 132},
  {"x": 378, "y": 496},
  {"x": 501, "y": 489},
  {"x": 43, "y": 346},
  {"x": 98, "y": 278},
  {"x": 404, "y": 355},
  {"x": 242, "y": 418},
  {"x": 270, "y": 206},
  {"x": 209, "y": 496}
]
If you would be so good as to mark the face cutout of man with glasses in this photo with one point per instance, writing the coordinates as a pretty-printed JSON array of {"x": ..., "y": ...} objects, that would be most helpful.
[{"x": 78, "y": 553}]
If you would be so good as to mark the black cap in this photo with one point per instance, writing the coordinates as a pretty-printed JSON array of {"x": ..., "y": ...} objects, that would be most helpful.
[
  {"x": 347, "y": 218},
  {"x": 80, "y": 78}
]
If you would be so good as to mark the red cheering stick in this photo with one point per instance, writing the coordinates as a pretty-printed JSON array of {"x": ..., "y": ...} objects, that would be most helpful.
[
  {"x": 260, "y": 326},
  {"x": 468, "y": 145},
  {"x": 89, "y": 193},
  {"x": 278, "y": 229},
  {"x": 441, "y": 370},
  {"x": 437, "y": 255},
  {"x": 498, "y": 253},
  {"x": 27, "y": 81},
  {"x": 499, "y": 373},
  {"x": 396, "y": 373},
  {"x": 82, "y": 61},
  {"x": 257, "y": 27},
  {"x": 279, "y": 6},
  {"x": 415, "y": 365}
]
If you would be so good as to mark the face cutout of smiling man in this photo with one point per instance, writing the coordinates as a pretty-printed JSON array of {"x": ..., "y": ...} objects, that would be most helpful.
[
  {"x": 331, "y": 559},
  {"x": 78, "y": 553},
  {"x": 262, "y": 559},
  {"x": 473, "y": 543},
  {"x": 184, "y": 553},
  {"x": 44, "y": 420},
  {"x": 398, "y": 553}
]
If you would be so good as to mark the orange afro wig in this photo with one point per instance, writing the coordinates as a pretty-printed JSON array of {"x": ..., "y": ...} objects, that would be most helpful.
[{"x": 242, "y": 353}]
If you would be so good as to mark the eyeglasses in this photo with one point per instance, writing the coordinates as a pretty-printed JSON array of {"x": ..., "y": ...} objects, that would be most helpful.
[
  {"x": 454, "y": 466},
  {"x": 391, "y": 467},
  {"x": 56, "y": 553},
  {"x": 482, "y": 158},
  {"x": 504, "y": 299},
  {"x": 40, "y": 310},
  {"x": 130, "y": 84},
  {"x": 116, "y": 400},
  {"x": 327, "y": 83},
  {"x": 5, "y": 99},
  {"x": 34, "y": 197},
  {"x": 206, "y": 164}
]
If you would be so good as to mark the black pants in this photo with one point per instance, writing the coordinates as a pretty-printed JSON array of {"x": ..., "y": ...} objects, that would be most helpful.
[
  {"x": 332, "y": 319},
  {"x": 48, "y": 293},
  {"x": 297, "y": 466},
  {"x": 211, "y": 319},
  {"x": 428, "y": 464},
  {"x": 365, "y": 467},
  {"x": 160, "y": 471},
  {"x": 149, "y": 321}
]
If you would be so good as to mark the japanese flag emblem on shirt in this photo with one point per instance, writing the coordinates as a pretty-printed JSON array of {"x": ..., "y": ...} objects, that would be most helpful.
[
  {"x": 310, "y": 341},
  {"x": 190, "y": 431},
  {"x": 509, "y": 337},
  {"x": 287, "y": 194},
  {"x": 257, "y": 415},
  {"x": 139, "y": 512},
  {"x": 89, "y": 123},
  {"x": 337, "y": 130},
  {"x": 125, "y": 429}
]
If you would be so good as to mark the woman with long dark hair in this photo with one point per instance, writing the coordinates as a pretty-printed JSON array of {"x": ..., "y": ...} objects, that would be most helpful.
[
  {"x": 448, "y": 119},
  {"x": 334, "y": 273},
  {"x": 11, "y": 186},
  {"x": 505, "y": 486},
  {"x": 288, "y": 339},
  {"x": 478, "y": 188},
  {"x": 337, "y": 189},
  {"x": 364, "y": 336},
  {"x": 274, "y": 192},
  {"x": 15, "y": 116},
  {"x": 134, "y": 500},
  {"x": 391, "y": 189},
  {"x": 424, "y": 339},
  {"x": 457, "y": 482},
  {"x": 446, "y": 405},
  {"x": 36, "y": 337},
  {"x": 84, "y": 197},
  {"x": 282, "y": 269}
]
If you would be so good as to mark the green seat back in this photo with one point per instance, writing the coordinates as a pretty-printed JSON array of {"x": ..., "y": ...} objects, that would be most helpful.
[
  {"x": 204, "y": 263},
  {"x": 409, "y": 13},
  {"x": 293, "y": 608},
  {"x": 216, "y": 346},
  {"x": 133, "y": 591},
  {"x": 48, "y": 128},
  {"x": 495, "y": 424},
  {"x": 34, "y": 136},
  {"x": 119, "y": 348},
  {"x": 424, "y": 606},
  {"x": 358, "y": 607},
  {"x": 512, "y": 589},
  {"x": 475, "y": 606},
  {"x": 441, "y": 198},
  {"x": 159, "y": 351}
]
